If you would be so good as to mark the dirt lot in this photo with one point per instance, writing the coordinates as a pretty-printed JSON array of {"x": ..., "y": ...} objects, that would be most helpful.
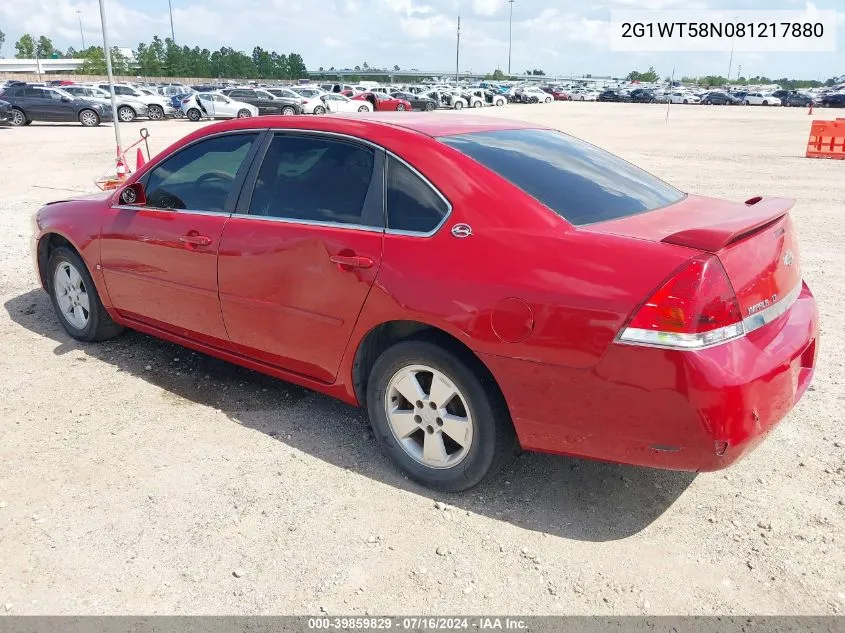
[{"x": 136, "y": 476}]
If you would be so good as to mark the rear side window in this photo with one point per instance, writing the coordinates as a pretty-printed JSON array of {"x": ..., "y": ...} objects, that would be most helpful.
[
  {"x": 199, "y": 177},
  {"x": 578, "y": 181},
  {"x": 412, "y": 204}
]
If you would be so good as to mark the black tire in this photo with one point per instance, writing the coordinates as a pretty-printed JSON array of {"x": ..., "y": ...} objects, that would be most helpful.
[
  {"x": 765, "y": 102},
  {"x": 494, "y": 440},
  {"x": 429, "y": 106},
  {"x": 18, "y": 117},
  {"x": 685, "y": 101},
  {"x": 459, "y": 105},
  {"x": 400, "y": 107},
  {"x": 89, "y": 118},
  {"x": 363, "y": 108},
  {"x": 319, "y": 110},
  {"x": 477, "y": 104},
  {"x": 708, "y": 102},
  {"x": 194, "y": 115},
  {"x": 288, "y": 111},
  {"x": 155, "y": 112},
  {"x": 125, "y": 114},
  {"x": 100, "y": 326},
  {"x": 244, "y": 114}
]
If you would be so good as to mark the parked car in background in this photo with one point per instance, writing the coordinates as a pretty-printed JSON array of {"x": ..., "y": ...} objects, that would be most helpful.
[
  {"x": 487, "y": 97},
  {"x": 417, "y": 101},
  {"x": 834, "y": 100},
  {"x": 599, "y": 311},
  {"x": 266, "y": 102},
  {"x": 214, "y": 105},
  {"x": 683, "y": 97},
  {"x": 158, "y": 106},
  {"x": 447, "y": 99},
  {"x": 642, "y": 95},
  {"x": 717, "y": 97},
  {"x": 585, "y": 95},
  {"x": 31, "y": 103},
  {"x": 336, "y": 102},
  {"x": 383, "y": 102},
  {"x": 796, "y": 99},
  {"x": 761, "y": 98},
  {"x": 128, "y": 108},
  {"x": 533, "y": 94},
  {"x": 611, "y": 95},
  {"x": 5, "y": 111}
]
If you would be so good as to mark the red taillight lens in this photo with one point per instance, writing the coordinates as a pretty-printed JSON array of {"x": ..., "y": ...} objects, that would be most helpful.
[
  {"x": 186, "y": 100},
  {"x": 696, "y": 307}
]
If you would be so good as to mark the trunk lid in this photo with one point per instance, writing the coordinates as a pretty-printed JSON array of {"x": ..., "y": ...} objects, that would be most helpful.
[{"x": 755, "y": 241}]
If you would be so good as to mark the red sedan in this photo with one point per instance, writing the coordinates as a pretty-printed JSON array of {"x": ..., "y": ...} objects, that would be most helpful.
[
  {"x": 474, "y": 283},
  {"x": 383, "y": 102}
]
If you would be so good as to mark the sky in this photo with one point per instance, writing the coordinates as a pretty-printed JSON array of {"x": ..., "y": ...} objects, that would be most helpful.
[{"x": 564, "y": 37}]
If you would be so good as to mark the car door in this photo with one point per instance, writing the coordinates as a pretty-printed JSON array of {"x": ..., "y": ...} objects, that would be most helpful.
[
  {"x": 206, "y": 104},
  {"x": 159, "y": 260},
  {"x": 298, "y": 258},
  {"x": 223, "y": 106},
  {"x": 39, "y": 104}
]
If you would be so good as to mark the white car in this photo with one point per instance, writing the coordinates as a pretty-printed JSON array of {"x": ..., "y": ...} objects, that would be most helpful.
[
  {"x": 584, "y": 95},
  {"x": 761, "y": 98},
  {"x": 334, "y": 102},
  {"x": 683, "y": 97},
  {"x": 532, "y": 94},
  {"x": 128, "y": 108},
  {"x": 158, "y": 107},
  {"x": 214, "y": 105}
]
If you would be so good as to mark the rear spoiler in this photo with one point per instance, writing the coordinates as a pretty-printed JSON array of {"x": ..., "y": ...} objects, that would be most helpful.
[{"x": 759, "y": 213}]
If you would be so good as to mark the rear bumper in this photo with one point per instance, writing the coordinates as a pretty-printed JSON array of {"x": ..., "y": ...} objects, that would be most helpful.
[{"x": 695, "y": 411}]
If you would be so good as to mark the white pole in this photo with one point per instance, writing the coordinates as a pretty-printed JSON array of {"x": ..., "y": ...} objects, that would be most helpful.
[{"x": 107, "y": 53}]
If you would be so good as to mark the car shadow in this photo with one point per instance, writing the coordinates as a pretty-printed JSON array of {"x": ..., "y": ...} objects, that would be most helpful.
[{"x": 562, "y": 496}]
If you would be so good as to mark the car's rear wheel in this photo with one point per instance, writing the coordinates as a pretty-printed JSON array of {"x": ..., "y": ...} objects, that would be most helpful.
[
  {"x": 75, "y": 298},
  {"x": 747, "y": 102},
  {"x": 459, "y": 105},
  {"x": 89, "y": 118},
  {"x": 500, "y": 102},
  {"x": 765, "y": 102},
  {"x": 477, "y": 104},
  {"x": 319, "y": 110},
  {"x": 548, "y": 99},
  {"x": 155, "y": 112},
  {"x": 194, "y": 115},
  {"x": 429, "y": 106},
  {"x": 18, "y": 117},
  {"x": 432, "y": 414},
  {"x": 244, "y": 114},
  {"x": 400, "y": 107},
  {"x": 125, "y": 114},
  {"x": 288, "y": 111},
  {"x": 363, "y": 108}
]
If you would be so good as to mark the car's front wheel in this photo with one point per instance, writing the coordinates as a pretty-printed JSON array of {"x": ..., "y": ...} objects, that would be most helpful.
[
  {"x": 433, "y": 414},
  {"x": 429, "y": 106},
  {"x": 155, "y": 112},
  {"x": 89, "y": 118},
  {"x": 765, "y": 102},
  {"x": 459, "y": 105},
  {"x": 18, "y": 117},
  {"x": 363, "y": 108},
  {"x": 125, "y": 114},
  {"x": 75, "y": 298},
  {"x": 400, "y": 107},
  {"x": 244, "y": 114},
  {"x": 288, "y": 111}
]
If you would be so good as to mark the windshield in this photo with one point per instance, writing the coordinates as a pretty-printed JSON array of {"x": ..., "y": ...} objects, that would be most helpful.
[{"x": 578, "y": 181}]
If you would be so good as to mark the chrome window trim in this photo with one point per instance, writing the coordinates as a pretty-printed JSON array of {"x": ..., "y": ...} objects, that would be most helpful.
[
  {"x": 387, "y": 152},
  {"x": 331, "y": 225},
  {"x": 140, "y": 207}
]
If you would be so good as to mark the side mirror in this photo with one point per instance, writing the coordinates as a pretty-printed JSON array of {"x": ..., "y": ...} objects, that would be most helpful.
[{"x": 133, "y": 195}]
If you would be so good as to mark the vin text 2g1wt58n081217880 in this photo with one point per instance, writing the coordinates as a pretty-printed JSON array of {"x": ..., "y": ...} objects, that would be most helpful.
[{"x": 476, "y": 284}]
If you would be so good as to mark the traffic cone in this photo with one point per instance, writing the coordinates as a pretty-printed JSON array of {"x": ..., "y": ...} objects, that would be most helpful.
[
  {"x": 811, "y": 108},
  {"x": 121, "y": 169},
  {"x": 139, "y": 160}
]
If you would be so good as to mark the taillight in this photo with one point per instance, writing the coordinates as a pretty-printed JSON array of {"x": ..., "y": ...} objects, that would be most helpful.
[
  {"x": 695, "y": 308},
  {"x": 186, "y": 100}
]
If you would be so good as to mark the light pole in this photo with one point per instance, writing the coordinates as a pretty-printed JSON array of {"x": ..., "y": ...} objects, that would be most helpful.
[
  {"x": 510, "y": 35},
  {"x": 107, "y": 55},
  {"x": 81, "y": 32},
  {"x": 172, "y": 32},
  {"x": 458, "y": 52},
  {"x": 731, "y": 59}
]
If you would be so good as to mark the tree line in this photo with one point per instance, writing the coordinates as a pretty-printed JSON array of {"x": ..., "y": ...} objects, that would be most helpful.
[
  {"x": 164, "y": 58},
  {"x": 716, "y": 81}
]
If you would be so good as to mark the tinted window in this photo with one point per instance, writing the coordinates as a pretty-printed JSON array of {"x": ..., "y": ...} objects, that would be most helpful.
[
  {"x": 319, "y": 180},
  {"x": 241, "y": 94},
  {"x": 578, "y": 181},
  {"x": 412, "y": 205},
  {"x": 122, "y": 90},
  {"x": 13, "y": 92},
  {"x": 199, "y": 177},
  {"x": 35, "y": 93}
]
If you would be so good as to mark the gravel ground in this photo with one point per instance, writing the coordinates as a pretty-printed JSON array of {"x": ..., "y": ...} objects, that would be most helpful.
[{"x": 138, "y": 477}]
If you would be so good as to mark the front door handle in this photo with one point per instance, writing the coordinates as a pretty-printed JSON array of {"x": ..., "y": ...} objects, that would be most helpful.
[
  {"x": 351, "y": 261},
  {"x": 195, "y": 240}
]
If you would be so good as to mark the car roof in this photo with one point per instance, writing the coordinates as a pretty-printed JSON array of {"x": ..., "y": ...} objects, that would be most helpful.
[{"x": 428, "y": 123}]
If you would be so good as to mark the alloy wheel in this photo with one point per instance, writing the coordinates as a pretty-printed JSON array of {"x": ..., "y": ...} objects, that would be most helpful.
[
  {"x": 155, "y": 113},
  {"x": 88, "y": 118},
  {"x": 71, "y": 295},
  {"x": 429, "y": 416},
  {"x": 18, "y": 117}
]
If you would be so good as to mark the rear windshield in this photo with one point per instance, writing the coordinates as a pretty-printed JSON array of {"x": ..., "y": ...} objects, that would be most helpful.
[{"x": 576, "y": 180}]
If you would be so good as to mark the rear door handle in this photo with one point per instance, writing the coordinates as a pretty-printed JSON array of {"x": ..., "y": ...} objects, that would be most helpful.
[
  {"x": 351, "y": 261},
  {"x": 195, "y": 240}
]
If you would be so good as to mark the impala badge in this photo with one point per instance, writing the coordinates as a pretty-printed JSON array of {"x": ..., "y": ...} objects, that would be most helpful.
[
  {"x": 788, "y": 258},
  {"x": 765, "y": 303},
  {"x": 462, "y": 230}
]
